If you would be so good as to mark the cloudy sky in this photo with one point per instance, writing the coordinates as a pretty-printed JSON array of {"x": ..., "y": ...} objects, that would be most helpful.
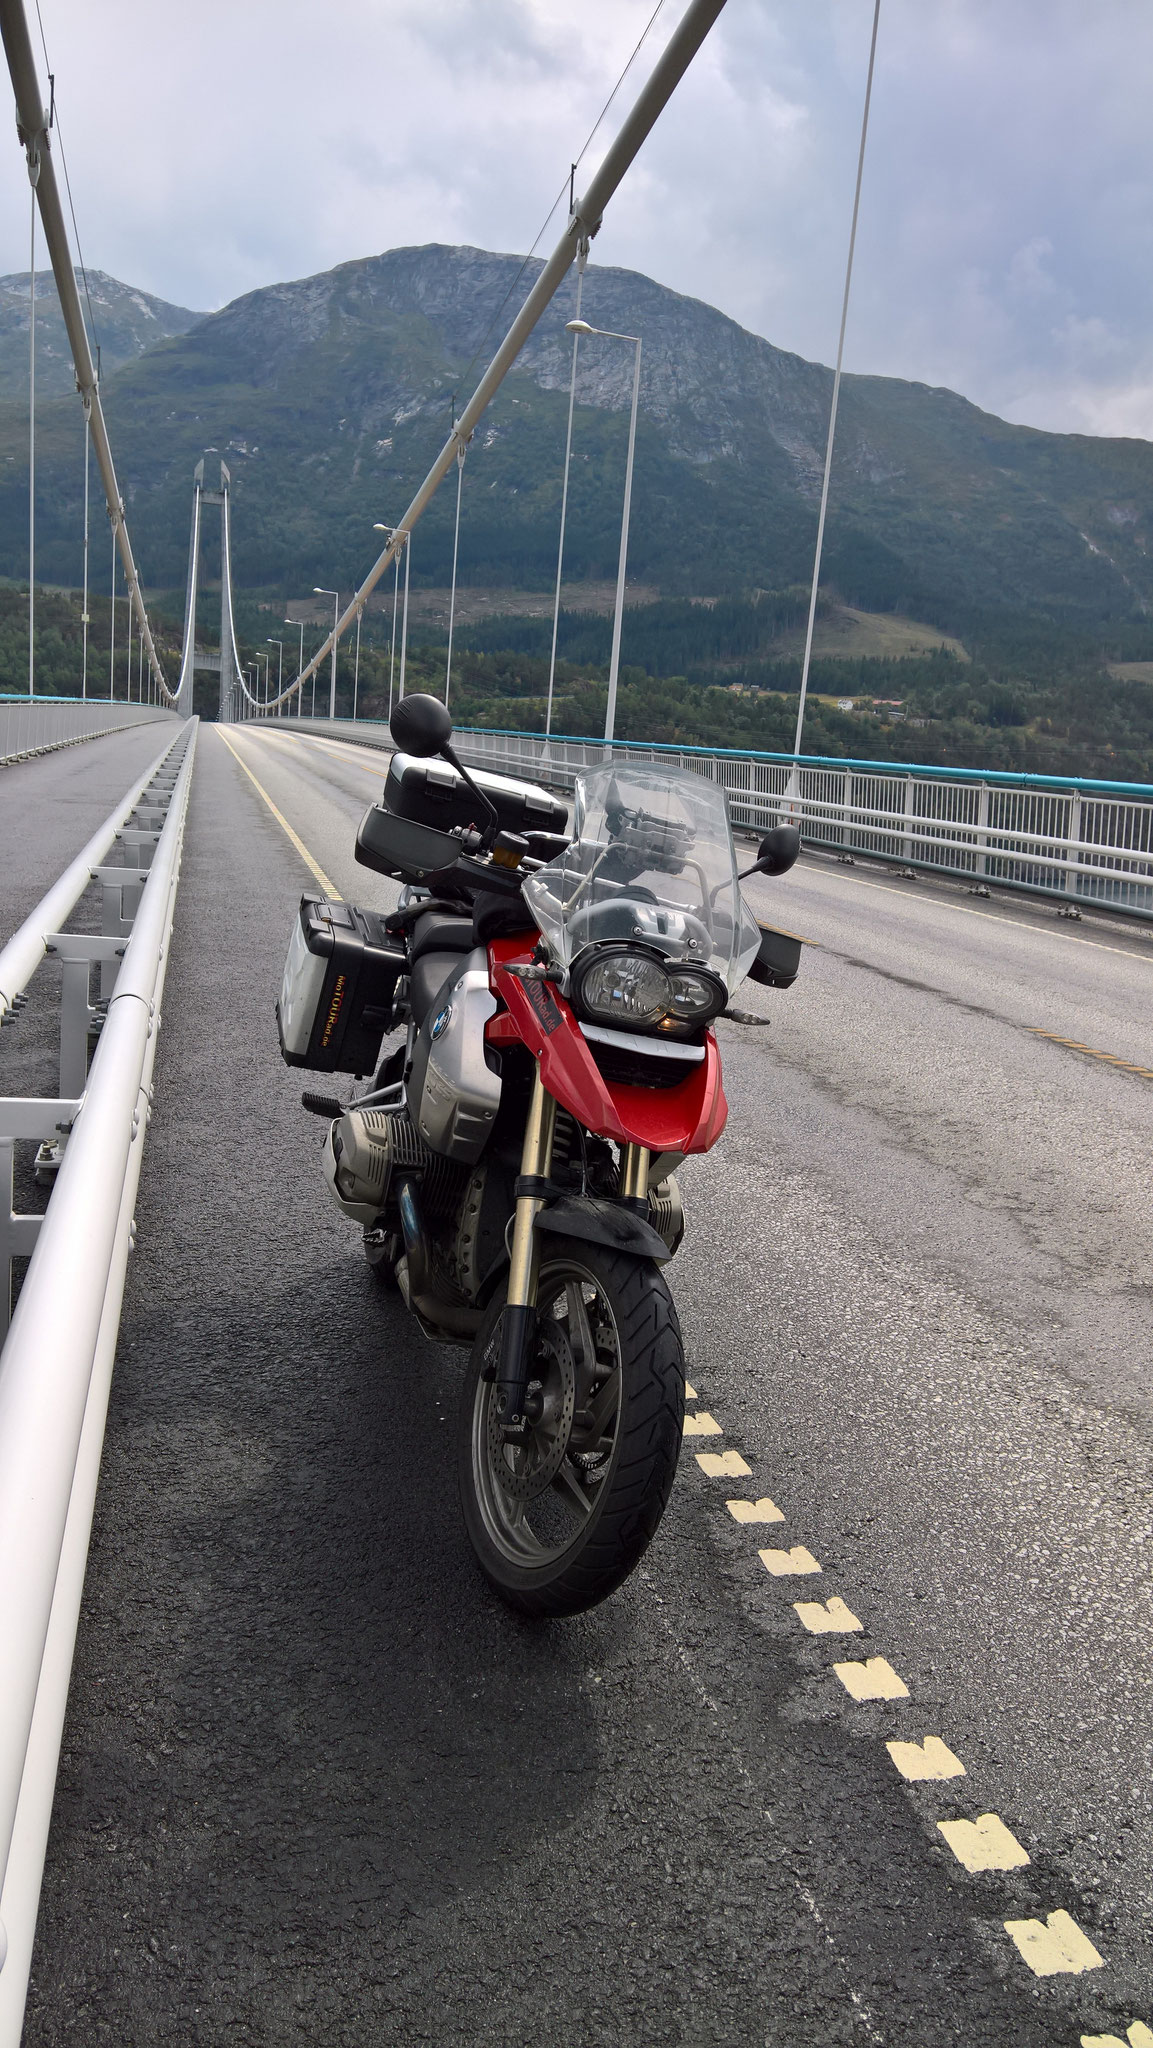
[{"x": 1007, "y": 215}]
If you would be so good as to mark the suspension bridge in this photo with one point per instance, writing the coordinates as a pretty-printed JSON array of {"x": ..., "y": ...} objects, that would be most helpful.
[{"x": 272, "y": 1767}]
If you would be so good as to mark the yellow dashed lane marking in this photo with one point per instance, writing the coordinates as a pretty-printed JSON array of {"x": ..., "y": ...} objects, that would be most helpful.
[
  {"x": 922, "y": 1761},
  {"x": 827, "y": 1617},
  {"x": 723, "y": 1465},
  {"x": 329, "y": 887},
  {"x": 875, "y": 1679},
  {"x": 1108, "y": 1059},
  {"x": 1137, "y": 2036},
  {"x": 1054, "y": 1946},
  {"x": 1049, "y": 1946},
  {"x": 702, "y": 1425},
  {"x": 984, "y": 1844},
  {"x": 754, "y": 1511},
  {"x": 785, "y": 1564}
]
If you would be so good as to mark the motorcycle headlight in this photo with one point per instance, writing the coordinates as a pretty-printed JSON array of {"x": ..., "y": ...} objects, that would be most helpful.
[
  {"x": 697, "y": 997},
  {"x": 622, "y": 987},
  {"x": 630, "y": 988}
]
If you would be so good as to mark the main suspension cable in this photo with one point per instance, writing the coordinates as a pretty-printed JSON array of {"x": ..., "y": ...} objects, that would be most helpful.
[
  {"x": 566, "y": 187},
  {"x": 34, "y": 122},
  {"x": 584, "y": 222}
]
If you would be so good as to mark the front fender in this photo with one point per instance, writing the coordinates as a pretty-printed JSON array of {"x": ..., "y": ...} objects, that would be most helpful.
[{"x": 599, "y": 1220}]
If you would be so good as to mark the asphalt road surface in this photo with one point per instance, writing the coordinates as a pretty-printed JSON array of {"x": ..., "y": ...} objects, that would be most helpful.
[
  {"x": 50, "y": 807},
  {"x": 318, "y": 1786}
]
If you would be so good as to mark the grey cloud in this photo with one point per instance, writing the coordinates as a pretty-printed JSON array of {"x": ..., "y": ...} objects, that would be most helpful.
[{"x": 1007, "y": 220}]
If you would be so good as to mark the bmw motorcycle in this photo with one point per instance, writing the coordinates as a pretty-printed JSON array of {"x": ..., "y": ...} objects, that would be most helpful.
[{"x": 513, "y": 1164}]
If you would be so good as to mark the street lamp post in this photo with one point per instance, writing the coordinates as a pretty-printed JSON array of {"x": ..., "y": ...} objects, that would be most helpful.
[
  {"x": 300, "y": 663},
  {"x": 335, "y": 596},
  {"x": 379, "y": 527},
  {"x": 573, "y": 327},
  {"x": 279, "y": 674},
  {"x": 266, "y": 659},
  {"x": 582, "y": 327},
  {"x": 404, "y": 616}
]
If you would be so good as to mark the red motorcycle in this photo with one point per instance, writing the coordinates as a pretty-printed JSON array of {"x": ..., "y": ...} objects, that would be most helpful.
[{"x": 513, "y": 1165}]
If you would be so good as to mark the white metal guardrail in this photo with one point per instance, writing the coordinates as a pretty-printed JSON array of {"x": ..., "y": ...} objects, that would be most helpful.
[
  {"x": 1086, "y": 841},
  {"x": 37, "y": 725},
  {"x": 1083, "y": 842},
  {"x": 56, "y": 1365}
]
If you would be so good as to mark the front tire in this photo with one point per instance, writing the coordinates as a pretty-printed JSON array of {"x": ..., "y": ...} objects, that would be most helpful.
[{"x": 559, "y": 1522}]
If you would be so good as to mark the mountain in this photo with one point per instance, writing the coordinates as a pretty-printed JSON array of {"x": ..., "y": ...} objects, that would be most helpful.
[
  {"x": 122, "y": 321},
  {"x": 328, "y": 397}
]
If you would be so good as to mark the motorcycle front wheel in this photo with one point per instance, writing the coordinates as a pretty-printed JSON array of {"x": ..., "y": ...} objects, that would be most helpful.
[{"x": 558, "y": 1521}]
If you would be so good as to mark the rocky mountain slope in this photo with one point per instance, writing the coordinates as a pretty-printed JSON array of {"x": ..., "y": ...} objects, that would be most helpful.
[
  {"x": 124, "y": 323},
  {"x": 329, "y": 395}
]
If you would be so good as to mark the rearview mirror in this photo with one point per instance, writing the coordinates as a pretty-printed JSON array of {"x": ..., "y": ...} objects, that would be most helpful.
[
  {"x": 420, "y": 725},
  {"x": 776, "y": 852}
]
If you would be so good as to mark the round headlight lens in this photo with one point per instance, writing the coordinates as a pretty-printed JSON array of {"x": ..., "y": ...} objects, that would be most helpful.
[
  {"x": 625, "y": 988},
  {"x": 696, "y": 997}
]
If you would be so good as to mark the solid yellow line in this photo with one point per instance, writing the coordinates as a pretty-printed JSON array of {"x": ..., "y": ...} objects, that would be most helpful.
[
  {"x": 329, "y": 887},
  {"x": 1108, "y": 1059}
]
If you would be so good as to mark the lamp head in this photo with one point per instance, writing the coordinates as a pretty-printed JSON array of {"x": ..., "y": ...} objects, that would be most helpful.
[{"x": 578, "y": 327}]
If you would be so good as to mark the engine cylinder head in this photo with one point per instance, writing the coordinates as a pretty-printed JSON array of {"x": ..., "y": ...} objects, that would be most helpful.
[{"x": 366, "y": 1148}]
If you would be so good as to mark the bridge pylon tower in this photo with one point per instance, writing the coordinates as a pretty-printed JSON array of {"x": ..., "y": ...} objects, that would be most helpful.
[{"x": 234, "y": 696}]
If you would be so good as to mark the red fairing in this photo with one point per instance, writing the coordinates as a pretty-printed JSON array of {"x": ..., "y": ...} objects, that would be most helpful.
[{"x": 688, "y": 1118}]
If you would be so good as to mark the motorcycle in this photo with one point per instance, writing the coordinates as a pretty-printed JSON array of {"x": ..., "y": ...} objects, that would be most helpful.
[{"x": 513, "y": 1165}]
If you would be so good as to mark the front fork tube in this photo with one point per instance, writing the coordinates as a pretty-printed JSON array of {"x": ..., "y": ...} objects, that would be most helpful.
[
  {"x": 519, "y": 1316},
  {"x": 635, "y": 1177}
]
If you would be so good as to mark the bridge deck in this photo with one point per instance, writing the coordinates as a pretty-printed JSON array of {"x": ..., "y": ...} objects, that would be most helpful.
[{"x": 318, "y": 1786}]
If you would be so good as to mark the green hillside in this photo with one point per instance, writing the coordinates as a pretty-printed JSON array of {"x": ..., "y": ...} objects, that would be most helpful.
[{"x": 329, "y": 396}]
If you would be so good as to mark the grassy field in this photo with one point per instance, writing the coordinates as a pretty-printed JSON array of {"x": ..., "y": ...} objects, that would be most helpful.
[
  {"x": 843, "y": 633},
  {"x": 848, "y": 634}
]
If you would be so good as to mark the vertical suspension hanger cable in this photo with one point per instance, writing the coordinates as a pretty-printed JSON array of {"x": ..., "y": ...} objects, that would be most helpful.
[
  {"x": 112, "y": 629},
  {"x": 32, "y": 442},
  {"x": 833, "y": 408},
  {"x": 356, "y": 664},
  {"x": 128, "y": 661},
  {"x": 582, "y": 259},
  {"x": 455, "y": 551},
  {"x": 84, "y": 611}
]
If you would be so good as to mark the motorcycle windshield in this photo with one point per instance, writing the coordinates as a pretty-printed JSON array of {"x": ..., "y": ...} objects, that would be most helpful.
[{"x": 652, "y": 864}]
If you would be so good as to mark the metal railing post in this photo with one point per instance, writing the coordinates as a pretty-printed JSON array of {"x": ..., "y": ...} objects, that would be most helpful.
[{"x": 1072, "y": 836}]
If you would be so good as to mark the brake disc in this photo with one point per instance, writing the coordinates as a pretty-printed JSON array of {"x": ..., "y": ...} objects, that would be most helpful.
[{"x": 524, "y": 1471}]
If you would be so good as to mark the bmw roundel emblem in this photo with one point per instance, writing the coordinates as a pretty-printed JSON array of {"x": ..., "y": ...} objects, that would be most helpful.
[{"x": 440, "y": 1021}]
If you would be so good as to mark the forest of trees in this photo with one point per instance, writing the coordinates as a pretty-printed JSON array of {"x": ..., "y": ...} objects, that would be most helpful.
[{"x": 1033, "y": 697}]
